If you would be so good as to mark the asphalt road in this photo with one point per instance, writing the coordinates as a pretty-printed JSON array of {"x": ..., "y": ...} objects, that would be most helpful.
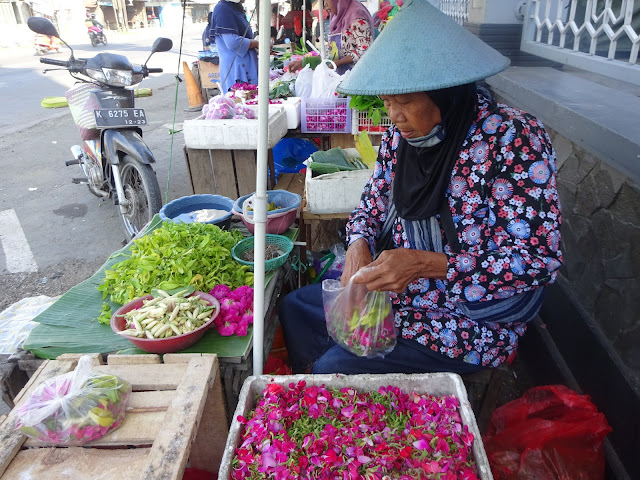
[{"x": 54, "y": 234}]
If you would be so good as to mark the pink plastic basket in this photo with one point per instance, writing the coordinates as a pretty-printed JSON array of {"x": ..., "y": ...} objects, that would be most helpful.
[{"x": 325, "y": 115}]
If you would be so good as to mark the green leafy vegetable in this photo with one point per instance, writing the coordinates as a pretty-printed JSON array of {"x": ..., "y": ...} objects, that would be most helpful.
[
  {"x": 176, "y": 255},
  {"x": 371, "y": 104}
]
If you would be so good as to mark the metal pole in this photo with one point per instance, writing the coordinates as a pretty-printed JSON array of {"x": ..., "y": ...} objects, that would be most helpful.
[
  {"x": 323, "y": 50},
  {"x": 304, "y": 23},
  {"x": 260, "y": 200}
]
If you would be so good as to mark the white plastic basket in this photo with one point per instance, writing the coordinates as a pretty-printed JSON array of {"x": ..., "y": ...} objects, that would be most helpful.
[
  {"x": 423, "y": 383},
  {"x": 360, "y": 122}
]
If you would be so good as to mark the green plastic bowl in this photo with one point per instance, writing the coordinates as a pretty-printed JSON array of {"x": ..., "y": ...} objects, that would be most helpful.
[{"x": 282, "y": 242}]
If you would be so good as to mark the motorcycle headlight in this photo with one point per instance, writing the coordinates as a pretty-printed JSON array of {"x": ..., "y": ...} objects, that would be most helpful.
[{"x": 115, "y": 78}]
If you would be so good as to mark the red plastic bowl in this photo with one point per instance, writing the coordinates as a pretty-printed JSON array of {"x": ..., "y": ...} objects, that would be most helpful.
[{"x": 163, "y": 345}]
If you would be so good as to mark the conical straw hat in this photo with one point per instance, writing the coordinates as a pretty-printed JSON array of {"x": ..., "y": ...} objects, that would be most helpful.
[{"x": 421, "y": 49}]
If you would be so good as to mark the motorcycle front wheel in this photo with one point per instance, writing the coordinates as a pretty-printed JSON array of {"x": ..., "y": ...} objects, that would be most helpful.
[
  {"x": 104, "y": 39},
  {"x": 142, "y": 192}
]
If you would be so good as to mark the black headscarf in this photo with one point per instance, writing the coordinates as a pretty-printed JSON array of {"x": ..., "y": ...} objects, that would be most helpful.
[{"x": 422, "y": 174}]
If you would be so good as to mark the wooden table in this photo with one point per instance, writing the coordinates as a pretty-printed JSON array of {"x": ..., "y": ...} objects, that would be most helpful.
[
  {"x": 175, "y": 414},
  {"x": 230, "y": 173}
]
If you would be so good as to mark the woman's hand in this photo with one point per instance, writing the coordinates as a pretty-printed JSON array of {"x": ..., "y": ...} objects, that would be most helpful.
[
  {"x": 294, "y": 65},
  {"x": 358, "y": 255},
  {"x": 395, "y": 269}
]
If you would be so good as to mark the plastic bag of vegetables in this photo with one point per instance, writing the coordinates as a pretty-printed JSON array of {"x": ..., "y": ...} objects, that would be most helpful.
[
  {"x": 359, "y": 320},
  {"x": 74, "y": 408}
]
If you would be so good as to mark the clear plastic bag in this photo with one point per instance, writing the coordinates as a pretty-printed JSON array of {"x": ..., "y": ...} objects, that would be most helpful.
[
  {"x": 359, "y": 320},
  {"x": 76, "y": 407}
]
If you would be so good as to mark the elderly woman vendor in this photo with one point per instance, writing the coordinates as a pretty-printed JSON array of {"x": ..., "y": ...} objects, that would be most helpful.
[{"x": 460, "y": 220}]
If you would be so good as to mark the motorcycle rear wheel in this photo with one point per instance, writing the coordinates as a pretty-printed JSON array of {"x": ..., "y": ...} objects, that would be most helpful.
[
  {"x": 94, "y": 42},
  {"x": 142, "y": 191}
]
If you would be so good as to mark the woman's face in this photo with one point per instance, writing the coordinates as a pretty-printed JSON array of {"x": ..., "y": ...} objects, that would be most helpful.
[
  {"x": 328, "y": 6},
  {"x": 414, "y": 114}
]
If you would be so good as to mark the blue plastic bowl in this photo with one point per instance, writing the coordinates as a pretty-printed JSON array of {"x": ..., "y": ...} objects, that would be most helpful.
[
  {"x": 185, "y": 209},
  {"x": 282, "y": 198}
]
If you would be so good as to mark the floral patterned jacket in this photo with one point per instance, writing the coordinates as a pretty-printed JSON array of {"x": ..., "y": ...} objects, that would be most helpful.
[{"x": 506, "y": 212}]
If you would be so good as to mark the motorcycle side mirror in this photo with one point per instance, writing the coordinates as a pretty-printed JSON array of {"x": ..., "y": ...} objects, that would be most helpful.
[
  {"x": 43, "y": 26},
  {"x": 162, "y": 45}
]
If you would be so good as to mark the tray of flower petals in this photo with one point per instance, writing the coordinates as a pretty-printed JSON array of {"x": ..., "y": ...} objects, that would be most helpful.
[{"x": 391, "y": 426}]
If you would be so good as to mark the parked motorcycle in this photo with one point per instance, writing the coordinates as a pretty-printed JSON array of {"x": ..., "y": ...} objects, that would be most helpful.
[
  {"x": 114, "y": 160},
  {"x": 97, "y": 36},
  {"x": 46, "y": 44}
]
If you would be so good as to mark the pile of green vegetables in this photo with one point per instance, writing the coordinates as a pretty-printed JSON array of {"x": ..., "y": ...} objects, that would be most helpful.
[
  {"x": 173, "y": 256},
  {"x": 371, "y": 104}
]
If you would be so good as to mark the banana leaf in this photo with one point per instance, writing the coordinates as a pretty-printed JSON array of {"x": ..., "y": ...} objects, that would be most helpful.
[{"x": 70, "y": 324}]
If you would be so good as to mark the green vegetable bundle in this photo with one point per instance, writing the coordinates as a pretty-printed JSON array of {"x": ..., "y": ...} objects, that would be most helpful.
[
  {"x": 371, "y": 104},
  {"x": 176, "y": 255}
]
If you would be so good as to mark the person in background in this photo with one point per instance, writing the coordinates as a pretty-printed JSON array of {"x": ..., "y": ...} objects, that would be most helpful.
[
  {"x": 460, "y": 220},
  {"x": 237, "y": 48},
  {"x": 206, "y": 34},
  {"x": 350, "y": 33}
]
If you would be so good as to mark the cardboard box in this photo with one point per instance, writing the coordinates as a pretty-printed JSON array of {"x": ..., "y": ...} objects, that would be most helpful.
[
  {"x": 424, "y": 383},
  {"x": 209, "y": 74},
  {"x": 338, "y": 192}
]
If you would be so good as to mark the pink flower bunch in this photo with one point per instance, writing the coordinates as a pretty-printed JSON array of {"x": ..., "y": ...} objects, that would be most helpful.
[
  {"x": 236, "y": 310},
  {"x": 327, "y": 120},
  {"x": 315, "y": 432}
]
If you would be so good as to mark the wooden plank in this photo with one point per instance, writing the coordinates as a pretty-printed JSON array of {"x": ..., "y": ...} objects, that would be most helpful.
[
  {"x": 200, "y": 171},
  {"x": 147, "y": 377},
  {"x": 271, "y": 170},
  {"x": 172, "y": 358},
  {"x": 246, "y": 169},
  {"x": 10, "y": 439},
  {"x": 161, "y": 399},
  {"x": 74, "y": 357},
  {"x": 208, "y": 447},
  {"x": 77, "y": 463},
  {"x": 292, "y": 182},
  {"x": 222, "y": 171},
  {"x": 138, "y": 429},
  {"x": 344, "y": 140},
  {"x": 133, "y": 359},
  {"x": 170, "y": 450},
  {"x": 185, "y": 151}
]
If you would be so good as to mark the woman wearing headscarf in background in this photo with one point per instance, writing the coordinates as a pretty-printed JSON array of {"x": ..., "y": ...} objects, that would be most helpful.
[
  {"x": 350, "y": 34},
  {"x": 460, "y": 221},
  {"x": 231, "y": 33}
]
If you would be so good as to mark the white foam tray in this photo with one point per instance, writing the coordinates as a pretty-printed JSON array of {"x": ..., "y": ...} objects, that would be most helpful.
[
  {"x": 233, "y": 134},
  {"x": 423, "y": 383}
]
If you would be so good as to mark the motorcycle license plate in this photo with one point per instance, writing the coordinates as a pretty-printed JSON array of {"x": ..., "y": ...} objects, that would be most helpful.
[{"x": 120, "y": 117}]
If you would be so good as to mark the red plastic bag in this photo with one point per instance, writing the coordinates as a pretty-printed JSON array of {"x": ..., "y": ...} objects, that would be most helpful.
[{"x": 550, "y": 433}]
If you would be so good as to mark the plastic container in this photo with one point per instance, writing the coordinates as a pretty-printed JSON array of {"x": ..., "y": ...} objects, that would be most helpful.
[
  {"x": 234, "y": 133},
  {"x": 278, "y": 221},
  {"x": 325, "y": 115},
  {"x": 360, "y": 122},
  {"x": 292, "y": 107},
  {"x": 190, "y": 209},
  {"x": 282, "y": 242},
  {"x": 163, "y": 345},
  {"x": 337, "y": 192},
  {"x": 430, "y": 383}
]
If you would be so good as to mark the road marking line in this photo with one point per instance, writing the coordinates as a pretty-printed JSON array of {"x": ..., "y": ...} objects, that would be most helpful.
[{"x": 14, "y": 243}]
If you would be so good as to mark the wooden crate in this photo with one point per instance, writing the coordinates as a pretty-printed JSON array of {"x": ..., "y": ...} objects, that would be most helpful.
[
  {"x": 231, "y": 173},
  {"x": 175, "y": 414}
]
